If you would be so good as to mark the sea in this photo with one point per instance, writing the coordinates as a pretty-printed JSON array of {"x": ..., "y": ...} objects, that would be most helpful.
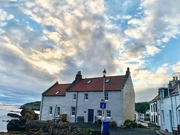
[{"x": 4, "y": 110}]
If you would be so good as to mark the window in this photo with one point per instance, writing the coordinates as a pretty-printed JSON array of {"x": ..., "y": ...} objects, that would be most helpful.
[
  {"x": 151, "y": 108},
  {"x": 108, "y": 113},
  {"x": 73, "y": 111},
  {"x": 163, "y": 119},
  {"x": 88, "y": 82},
  {"x": 57, "y": 92},
  {"x": 50, "y": 110},
  {"x": 99, "y": 113},
  {"x": 74, "y": 96},
  {"x": 106, "y": 96},
  {"x": 165, "y": 92},
  {"x": 107, "y": 80},
  {"x": 85, "y": 96},
  {"x": 58, "y": 111}
]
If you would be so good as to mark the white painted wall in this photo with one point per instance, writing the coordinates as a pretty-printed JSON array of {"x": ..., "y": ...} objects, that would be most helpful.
[
  {"x": 128, "y": 99},
  {"x": 121, "y": 104},
  {"x": 170, "y": 104},
  {"x": 65, "y": 103}
]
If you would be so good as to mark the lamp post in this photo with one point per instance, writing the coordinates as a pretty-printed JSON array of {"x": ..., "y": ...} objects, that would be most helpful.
[{"x": 103, "y": 116}]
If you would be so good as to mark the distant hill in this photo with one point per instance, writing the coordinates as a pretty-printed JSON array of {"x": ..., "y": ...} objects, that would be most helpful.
[
  {"x": 142, "y": 107},
  {"x": 32, "y": 105}
]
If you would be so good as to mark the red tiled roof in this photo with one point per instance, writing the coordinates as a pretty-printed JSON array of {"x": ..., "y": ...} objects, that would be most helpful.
[
  {"x": 56, "y": 90},
  {"x": 175, "y": 89},
  {"x": 96, "y": 84}
]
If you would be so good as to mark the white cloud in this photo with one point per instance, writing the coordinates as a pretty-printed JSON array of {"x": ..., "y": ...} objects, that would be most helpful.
[
  {"x": 68, "y": 36},
  {"x": 176, "y": 68}
]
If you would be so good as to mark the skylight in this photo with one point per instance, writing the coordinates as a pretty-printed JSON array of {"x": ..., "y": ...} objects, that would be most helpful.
[
  {"x": 88, "y": 82},
  {"x": 107, "y": 80},
  {"x": 57, "y": 92}
]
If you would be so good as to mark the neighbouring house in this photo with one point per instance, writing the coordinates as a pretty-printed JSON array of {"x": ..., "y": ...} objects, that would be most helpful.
[
  {"x": 139, "y": 117},
  {"x": 165, "y": 108},
  {"x": 154, "y": 111},
  {"x": 148, "y": 112},
  {"x": 82, "y": 97}
]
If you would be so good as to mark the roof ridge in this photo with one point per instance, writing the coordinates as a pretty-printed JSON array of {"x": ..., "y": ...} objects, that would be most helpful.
[
  {"x": 105, "y": 77},
  {"x": 56, "y": 83}
]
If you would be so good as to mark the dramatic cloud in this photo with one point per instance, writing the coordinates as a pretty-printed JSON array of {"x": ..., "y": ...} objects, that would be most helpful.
[{"x": 45, "y": 41}]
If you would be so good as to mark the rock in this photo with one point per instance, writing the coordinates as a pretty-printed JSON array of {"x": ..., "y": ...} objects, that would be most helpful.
[
  {"x": 29, "y": 114},
  {"x": 16, "y": 125},
  {"x": 14, "y": 115}
]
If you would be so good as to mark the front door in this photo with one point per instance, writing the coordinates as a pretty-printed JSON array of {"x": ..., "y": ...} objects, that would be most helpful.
[{"x": 90, "y": 115}]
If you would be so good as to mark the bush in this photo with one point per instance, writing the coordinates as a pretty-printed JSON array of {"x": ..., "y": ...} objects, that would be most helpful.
[
  {"x": 113, "y": 124},
  {"x": 130, "y": 124},
  {"x": 99, "y": 121}
]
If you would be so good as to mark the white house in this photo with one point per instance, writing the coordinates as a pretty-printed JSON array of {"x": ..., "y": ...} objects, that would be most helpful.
[
  {"x": 82, "y": 98},
  {"x": 168, "y": 106},
  {"x": 154, "y": 111}
]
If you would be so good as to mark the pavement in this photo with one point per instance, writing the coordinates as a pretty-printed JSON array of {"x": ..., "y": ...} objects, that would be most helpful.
[
  {"x": 122, "y": 131},
  {"x": 158, "y": 130},
  {"x": 164, "y": 132}
]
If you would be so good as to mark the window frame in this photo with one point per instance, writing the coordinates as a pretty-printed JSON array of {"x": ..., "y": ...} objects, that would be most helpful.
[
  {"x": 50, "y": 110},
  {"x": 99, "y": 113},
  {"x": 74, "y": 97},
  {"x": 107, "y": 113},
  {"x": 106, "y": 95},
  {"x": 73, "y": 111},
  {"x": 58, "y": 111},
  {"x": 86, "y": 96}
]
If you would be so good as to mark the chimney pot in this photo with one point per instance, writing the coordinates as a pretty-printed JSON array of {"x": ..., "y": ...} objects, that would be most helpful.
[
  {"x": 78, "y": 77},
  {"x": 127, "y": 72}
]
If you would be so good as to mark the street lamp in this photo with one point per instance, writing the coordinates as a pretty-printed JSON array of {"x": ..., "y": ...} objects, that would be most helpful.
[
  {"x": 104, "y": 75},
  {"x": 103, "y": 117}
]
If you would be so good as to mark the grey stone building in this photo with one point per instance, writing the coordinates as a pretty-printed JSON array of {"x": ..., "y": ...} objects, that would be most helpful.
[{"x": 82, "y": 97}]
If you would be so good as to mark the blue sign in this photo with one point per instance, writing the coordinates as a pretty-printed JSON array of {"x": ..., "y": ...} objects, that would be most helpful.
[{"x": 102, "y": 105}]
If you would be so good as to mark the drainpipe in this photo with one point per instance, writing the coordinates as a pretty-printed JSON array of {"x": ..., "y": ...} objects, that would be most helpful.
[
  {"x": 176, "y": 110},
  {"x": 76, "y": 108}
]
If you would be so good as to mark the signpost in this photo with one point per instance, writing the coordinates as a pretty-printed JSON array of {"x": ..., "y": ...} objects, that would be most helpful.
[{"x": 102, "y": 105}]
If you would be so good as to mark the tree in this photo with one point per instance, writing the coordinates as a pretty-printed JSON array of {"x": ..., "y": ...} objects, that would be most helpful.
[{"x": 142, "y": 107}]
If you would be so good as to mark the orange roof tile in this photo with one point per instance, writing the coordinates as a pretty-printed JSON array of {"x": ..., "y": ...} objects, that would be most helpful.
[
  {"x": 115, "y": 83},
  {"x": 56, "y": 90}
]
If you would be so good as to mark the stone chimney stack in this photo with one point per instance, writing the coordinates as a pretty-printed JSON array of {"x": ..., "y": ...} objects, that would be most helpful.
[
  {"x": 128, "y": 72},
  {"x": 78, "y": 77}
]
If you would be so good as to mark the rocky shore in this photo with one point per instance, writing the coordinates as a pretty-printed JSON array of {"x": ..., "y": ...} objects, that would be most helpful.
[{"x": 28, "y": 123}]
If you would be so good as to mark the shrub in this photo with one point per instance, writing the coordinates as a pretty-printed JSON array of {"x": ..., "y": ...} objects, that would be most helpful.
[
  {"x": 113, "y": 124},
  {"x": 99, "y": 121},
  {"x": 130, "y": 124}
]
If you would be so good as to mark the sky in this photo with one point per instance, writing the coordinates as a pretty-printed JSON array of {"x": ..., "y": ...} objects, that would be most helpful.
[{"x": 42, "y": 42}]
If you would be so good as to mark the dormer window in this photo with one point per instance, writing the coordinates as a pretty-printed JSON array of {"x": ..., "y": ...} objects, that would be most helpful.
[
  {"x": 107, "y": 80},
  {"x": 88, "y": 82}
]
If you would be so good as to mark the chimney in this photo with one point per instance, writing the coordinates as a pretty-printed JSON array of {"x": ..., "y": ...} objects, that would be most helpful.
[
  {"x": 176, "y": 78},
  {"x": 127, "y": 72},
  {"x": 173, "y": 78},
  {"x": 78, "y": 77}
]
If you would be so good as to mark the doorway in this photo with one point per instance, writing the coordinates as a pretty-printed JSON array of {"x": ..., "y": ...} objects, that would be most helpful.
[{"x": 90, "y": 115}]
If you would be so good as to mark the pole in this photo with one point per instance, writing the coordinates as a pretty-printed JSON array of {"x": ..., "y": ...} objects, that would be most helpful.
[{"x": 103, "y": 107}]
